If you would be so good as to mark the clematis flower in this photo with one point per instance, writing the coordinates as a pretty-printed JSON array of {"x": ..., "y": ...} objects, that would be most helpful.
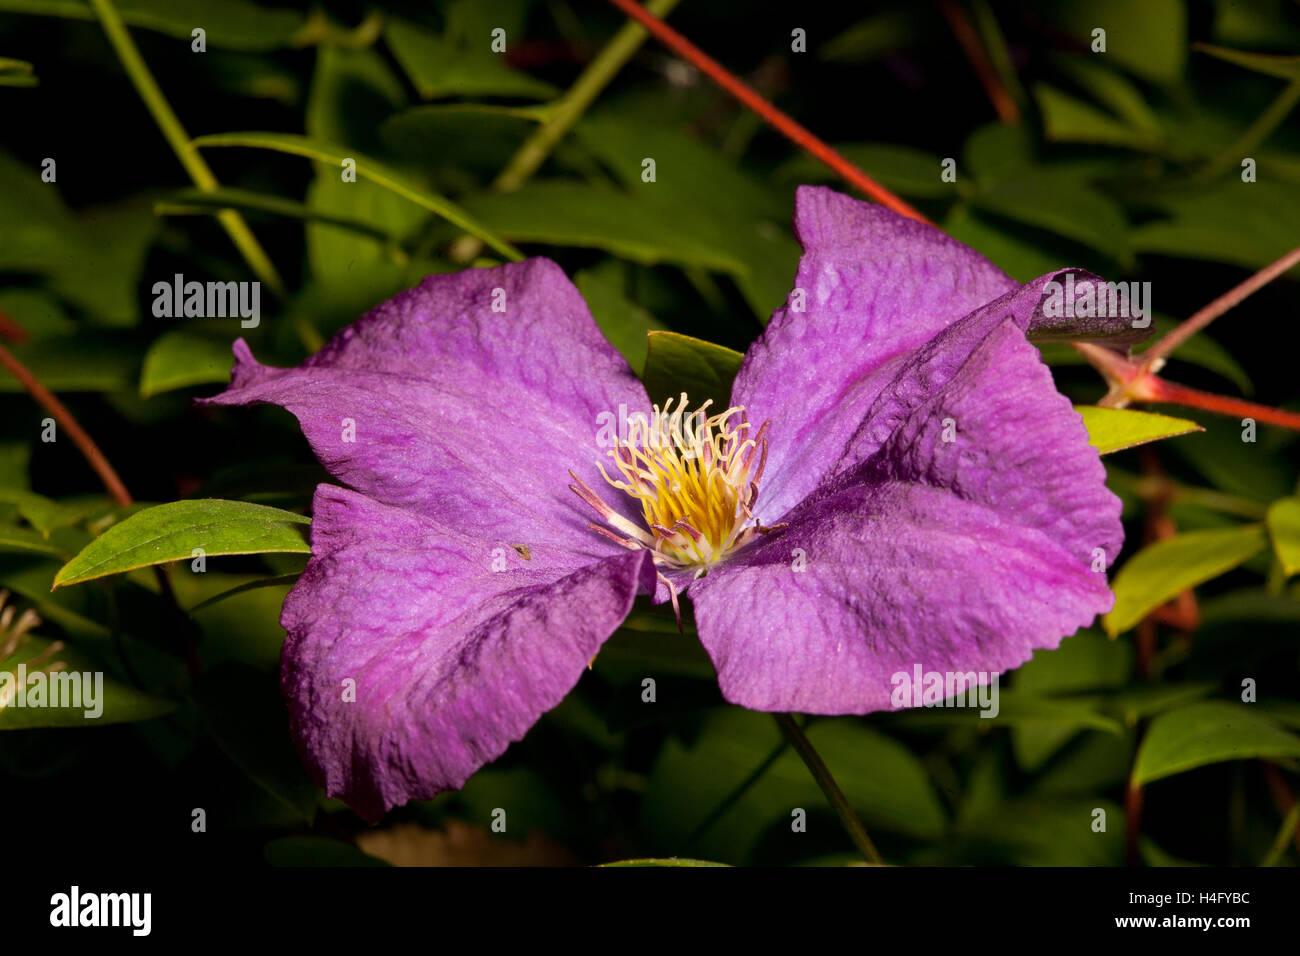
[{"x": 897, "y": 482}]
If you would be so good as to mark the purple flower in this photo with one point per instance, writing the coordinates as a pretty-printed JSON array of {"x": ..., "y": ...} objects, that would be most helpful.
[{"x": 898, "y": 482}]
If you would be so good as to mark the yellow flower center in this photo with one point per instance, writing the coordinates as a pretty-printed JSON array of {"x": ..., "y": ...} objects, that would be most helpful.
[{"x": 696, "y": 478}]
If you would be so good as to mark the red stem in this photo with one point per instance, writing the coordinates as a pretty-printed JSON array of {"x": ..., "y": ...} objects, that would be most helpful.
[
  {"x": 1222, "y": 304},
  {"x": 794, "y": 132},
  {"x": 1132, "y": 824},
  {"x": 59, "y": 412},
  {"x": 110, "y": 478},
  {"x": 11, "y": 331},
  {"x": 966, "y": 35},
  {"x": 1154, "y": 389}
]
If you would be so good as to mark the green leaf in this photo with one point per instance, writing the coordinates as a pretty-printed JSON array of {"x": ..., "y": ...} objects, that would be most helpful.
[
  {"x": 1283, "y": 67},
  {"x": 1132, "y": 704},
  {"x": 1057, "y": 198},
  {"x": 46, "y": 514},
  {"x": 233, "y": 24},
  {"x": 92, "y": 258},
  {"x": 746, "y": 218},
  {"x": 23, "y": 541},
  {"x": 1049, "y": 831},
  {"x": 16, "y": 73},
  {"x": 678, "y": 363},
  {"x": 1086, "y": 661},
  {"x": 1068, "y": 120},
  {"x": 117, "y": 703},
  {"x": 88, "y": 361},
  {"x": 180, "y": 359},
  {"x": 1234, "y": 466},
  {"x": 880, "y": 35},
  {"x": 439, "y": 68},
  {"x": 664, "y": 861},
  {"x": 1245, "y": 224},
  {"x": 881, "y": 778},
  {"x": 1263, "y": 23},
  {"x": 189, "y": 201},
  {"x": 1209, "y": 732},
  {"x": 623, "y": 322},
  {"x": 1016, "y": 709},
  {"x": 1113, "y": 429},
  {"x": 450, "y": 135},
  {"x": 1148, "y": 39},
  {"x": 900, "y": 169},
  {"x": 1159, "y": 572},
  {"x": 366, "y": 169},
  {"x": 568, "y": 214},
  {"x": 1284, "y": 529},
  {"x": 351, "y": 93},
  {"x": 687, "y": 171},
  {"x": 1113, "y": 90},
  {"x": 171, "y": 532},
  {"x": 1018, "y": 257}
]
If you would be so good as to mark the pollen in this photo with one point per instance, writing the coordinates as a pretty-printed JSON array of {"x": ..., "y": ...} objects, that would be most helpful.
[{"x": 695, "y": 476}]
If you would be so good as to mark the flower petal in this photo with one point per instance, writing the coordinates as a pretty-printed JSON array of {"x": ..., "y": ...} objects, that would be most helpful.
[
  {"x": 957, "y": 555},
  {"x": 452, "y": 661},
  {"x": 468, "y": 399},
  {"x": 875, "y": 287},
  {"x": 976, "y": 412},
  {"x": 893, "y": 575}
]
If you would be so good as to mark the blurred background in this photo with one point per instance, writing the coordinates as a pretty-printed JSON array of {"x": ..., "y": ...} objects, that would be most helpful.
[{"x": 1127, "y": 162}]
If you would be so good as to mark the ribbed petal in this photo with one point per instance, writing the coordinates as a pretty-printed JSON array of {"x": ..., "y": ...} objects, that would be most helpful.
[
  {"x": 410, "y": 662},
  {"x": 874, "y": 287},
  {"x": 438, "y": 402},
  {"x": 961, "y": 555}
]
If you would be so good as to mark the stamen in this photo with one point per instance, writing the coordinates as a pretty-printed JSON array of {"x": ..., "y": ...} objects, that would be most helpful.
[{"x": 696, "y": 477}]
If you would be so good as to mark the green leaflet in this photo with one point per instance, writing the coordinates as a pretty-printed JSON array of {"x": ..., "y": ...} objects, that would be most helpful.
[
  {"x": 174, "y": 531},
  {"x": 1113, "y": 429},
  {"x": 1209, "y": 732},
  {"x": 1166, "y": 568}
]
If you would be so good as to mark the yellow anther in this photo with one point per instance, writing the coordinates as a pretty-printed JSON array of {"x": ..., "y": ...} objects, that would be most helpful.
[{"x": 695, "y": 476}]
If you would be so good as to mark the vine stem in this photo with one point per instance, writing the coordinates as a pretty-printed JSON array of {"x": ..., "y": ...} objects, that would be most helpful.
[
  {"x": 1160, "y": 390},
  {"x": 568, "y": 109},
  {"x": 739, "y": 791},
  {"x": 969, "y": 39},
  {"x": 563, "y": 115},
  {"x": 817, "y": 767},
  {"x": 790, "y": 129},
  {"x": 1186, "y": 329},
  {"x": 64, "y": 418},
  {"x": 107, "y": 475},
  {"x": 1257, "y": 133},
  {"x": 170, "y": 126}
]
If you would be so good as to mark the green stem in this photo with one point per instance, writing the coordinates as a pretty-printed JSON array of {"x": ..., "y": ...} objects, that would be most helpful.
[
  {"x": 817, "y": 767},
  {"x": 179, "y": 141},
  {"x": 730, "y": 799},
  {"x": 563, "y": 115},
  {"x": 1257, "y": 132},
  {"x": 996, "y": 45},
  {"x": 568, "y": 109},
  {"x": 1284, "y": 834}
]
